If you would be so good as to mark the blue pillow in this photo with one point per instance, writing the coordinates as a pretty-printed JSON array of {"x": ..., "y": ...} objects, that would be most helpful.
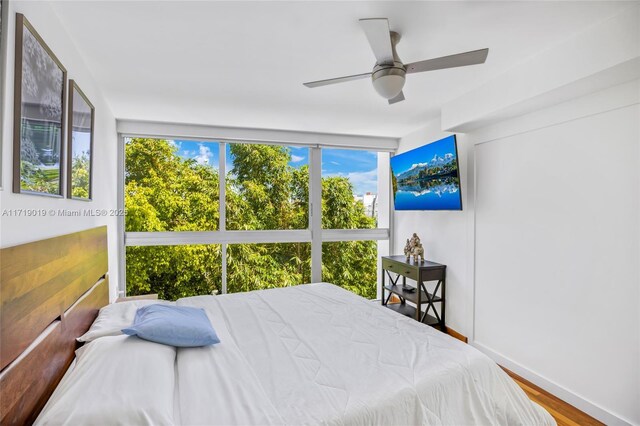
[{"x": 181, "y": 326}]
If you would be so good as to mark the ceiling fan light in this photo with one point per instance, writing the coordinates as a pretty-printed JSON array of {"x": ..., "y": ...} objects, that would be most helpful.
[{"x": 388, "y": 84}]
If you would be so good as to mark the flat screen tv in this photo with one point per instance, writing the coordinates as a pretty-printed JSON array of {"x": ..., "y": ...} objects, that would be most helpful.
[{"x": 427, "y": 178}]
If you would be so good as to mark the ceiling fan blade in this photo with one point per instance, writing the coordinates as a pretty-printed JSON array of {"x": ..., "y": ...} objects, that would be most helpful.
[
  {"x": 399, "y": 97},
  {"x": 378, "y": 34},
  {"x": 319, "y": 83},
  {"x": 452, "y": 61}
]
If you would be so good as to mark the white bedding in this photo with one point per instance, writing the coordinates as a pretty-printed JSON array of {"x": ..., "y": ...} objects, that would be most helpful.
[
  {"x": 318, "y": 354},
  {"x": 116, "y": 381},
  {"x": 310, "y": 354}
]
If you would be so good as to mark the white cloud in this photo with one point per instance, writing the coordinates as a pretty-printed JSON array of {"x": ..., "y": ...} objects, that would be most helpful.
[
  {"x": 335, "y": 162},
  {"x": 362, "y": 182},
  {"x": 204, "y": 155},
  {"x": 296, "y": 158}
]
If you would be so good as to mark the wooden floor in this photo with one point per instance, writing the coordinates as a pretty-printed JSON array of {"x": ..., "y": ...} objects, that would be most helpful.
[{"x": 565, "y": 414}]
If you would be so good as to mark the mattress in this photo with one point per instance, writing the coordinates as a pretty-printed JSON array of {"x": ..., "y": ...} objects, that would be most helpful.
[{"x": 309, "y": 354}]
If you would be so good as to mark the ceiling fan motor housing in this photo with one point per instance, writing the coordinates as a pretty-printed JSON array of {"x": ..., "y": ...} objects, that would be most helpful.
[{"x": 388, "y": 80}]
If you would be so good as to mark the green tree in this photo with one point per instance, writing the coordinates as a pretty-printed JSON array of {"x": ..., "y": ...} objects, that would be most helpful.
[
  {"x": 270, "y": 194},
  {"x": 351, "y": 264},
  {"x": 164, "y": 192}
]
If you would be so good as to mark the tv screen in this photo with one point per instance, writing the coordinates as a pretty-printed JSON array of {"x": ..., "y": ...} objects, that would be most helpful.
[{"x": 427, "y": 178}]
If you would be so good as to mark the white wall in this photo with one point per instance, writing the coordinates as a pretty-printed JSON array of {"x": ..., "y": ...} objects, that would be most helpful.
[
  {"x": 557, "y": 246},
  {"x": 16, "y": 230},
  {"x": 444, "y": 234}
]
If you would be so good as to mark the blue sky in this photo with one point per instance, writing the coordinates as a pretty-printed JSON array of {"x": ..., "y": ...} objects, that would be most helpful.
[
  {"x": 202, "y": 152},
  {"x": 361, "y": 167},
  {"x": 403, "y": 162}
]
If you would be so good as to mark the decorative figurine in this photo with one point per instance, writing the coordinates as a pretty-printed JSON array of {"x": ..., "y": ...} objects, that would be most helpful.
[
  {"x": 407, "y": 250},
  {"x": 415, "y": 240},
  {"x": 418, "y": 253},
  {"x": 414, "y": 248}
]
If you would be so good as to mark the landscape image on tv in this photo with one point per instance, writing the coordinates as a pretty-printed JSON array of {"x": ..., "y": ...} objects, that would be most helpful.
[{"x": 427, "y": 178}]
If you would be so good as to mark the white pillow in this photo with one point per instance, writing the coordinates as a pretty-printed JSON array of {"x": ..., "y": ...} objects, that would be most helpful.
[
  {"x": 117, "y": 380},
  {"x": 114, "y": 317}
]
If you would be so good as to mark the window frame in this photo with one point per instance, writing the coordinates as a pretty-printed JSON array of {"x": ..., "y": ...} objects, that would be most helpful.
[{"x": 314, "y": 234}]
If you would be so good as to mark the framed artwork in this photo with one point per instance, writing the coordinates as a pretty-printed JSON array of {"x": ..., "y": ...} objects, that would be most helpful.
[
  {"x": 3, "y": 23},
  {"x": 39, "y": 104},
  {"x": 80, "y": 152}
]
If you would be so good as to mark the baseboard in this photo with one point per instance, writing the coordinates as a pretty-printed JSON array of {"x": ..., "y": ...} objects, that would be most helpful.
[
  {"x": 451, "y": 332},
  {"x": 555, "y": 389}
]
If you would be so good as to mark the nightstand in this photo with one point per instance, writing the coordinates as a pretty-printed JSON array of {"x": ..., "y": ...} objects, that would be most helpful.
[{"x": 420, "y": 272}]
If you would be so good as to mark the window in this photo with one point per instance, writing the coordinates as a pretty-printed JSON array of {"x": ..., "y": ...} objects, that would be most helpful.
[
  {"x": 352, "y": 265},
  {"x": 260, "y": 266},
  {"x": 224, "y": 217},
  {"x": 267, "y": 187},
  {"x": 349, "y": 189},
  {"x": 174, "y": 271},
  {"x": 171, "y": 185}
]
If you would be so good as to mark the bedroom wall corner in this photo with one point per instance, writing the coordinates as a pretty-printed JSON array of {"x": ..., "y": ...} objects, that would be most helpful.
[
  {"x": 445, "y": 234},
  {"x": 17, "y": 228}
]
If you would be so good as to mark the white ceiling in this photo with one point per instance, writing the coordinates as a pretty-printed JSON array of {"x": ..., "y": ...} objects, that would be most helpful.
[{"x": 243, "y": 63}]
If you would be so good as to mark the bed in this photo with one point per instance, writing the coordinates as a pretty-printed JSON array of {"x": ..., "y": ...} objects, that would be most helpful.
[
  {"x": 310, "y": 354},
  {"x": 50, "y": 293}
]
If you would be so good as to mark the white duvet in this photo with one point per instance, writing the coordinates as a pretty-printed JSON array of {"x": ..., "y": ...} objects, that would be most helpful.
[
  {"x": 317, "y": 354},
  {"x": 310, "y": 354}
]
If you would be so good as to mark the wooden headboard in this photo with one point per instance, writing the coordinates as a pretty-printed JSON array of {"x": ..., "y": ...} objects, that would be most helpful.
[{"x": 50, "y": 293}]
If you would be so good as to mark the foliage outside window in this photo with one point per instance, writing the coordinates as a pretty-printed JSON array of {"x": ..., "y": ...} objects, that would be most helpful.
[
  {"x": 268, "y": 187},
  {"x": 271, "y": 265},
  {"x": 351, "y": 265},
  {"x": 168, "y": 190},
  {"x": 173, "y": 272}
]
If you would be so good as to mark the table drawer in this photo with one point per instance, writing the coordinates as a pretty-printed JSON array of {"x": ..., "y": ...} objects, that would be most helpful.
[
  {"x": 433, "y": 274},
  {"x": 408, "y": 271}
]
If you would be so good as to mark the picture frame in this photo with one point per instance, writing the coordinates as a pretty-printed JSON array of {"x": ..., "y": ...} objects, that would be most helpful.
[
  {"x": 81, "y": 117},
  {"x": 4, "y": 6},
  {"x": 39, "y": 108}
]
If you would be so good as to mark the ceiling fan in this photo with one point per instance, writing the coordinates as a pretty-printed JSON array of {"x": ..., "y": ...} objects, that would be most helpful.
[{"x": 388, "y": 74}]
